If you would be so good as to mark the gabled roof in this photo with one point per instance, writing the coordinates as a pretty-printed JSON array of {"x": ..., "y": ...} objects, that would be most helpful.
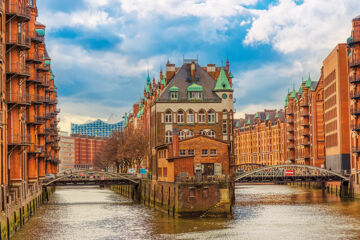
[
  {"x": 308, "y": 82},
  {"x": 195, "y": 88},
  {"x": 182, "y": 80},
  {"x": 174, "y": 89},
  {"x": 222, "y": 82}
]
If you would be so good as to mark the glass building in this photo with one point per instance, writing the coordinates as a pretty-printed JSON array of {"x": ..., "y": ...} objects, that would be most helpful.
[{"x": 97, "y": 128}]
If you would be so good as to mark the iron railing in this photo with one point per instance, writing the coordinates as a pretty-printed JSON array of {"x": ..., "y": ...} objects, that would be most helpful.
[
  {"x": 18, "y": 69},
  {"x": 18, "y": 10},
  {"x": 18, "y": 98},
  {"x": 354, "y": 79},
  {"x": 19, "y": 139}
]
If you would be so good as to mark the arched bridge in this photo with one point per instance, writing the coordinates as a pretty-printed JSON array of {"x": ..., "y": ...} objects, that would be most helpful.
[
  {"x": 290, "y": 173},
  {"x": 91, "y": 178},
  {"x": 246, "y": 167}
]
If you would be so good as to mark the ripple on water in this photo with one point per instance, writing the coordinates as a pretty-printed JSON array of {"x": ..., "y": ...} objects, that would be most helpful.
[{"x": 261, "y": 212}]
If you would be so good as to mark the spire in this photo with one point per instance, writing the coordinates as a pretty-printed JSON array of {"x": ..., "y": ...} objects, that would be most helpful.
[
  {"x": 249, "y": 121},
  {"x": 308, "y": 82},
  {"x": 222, "y": 82},
  {"x": 227, "y": 64},
  {"x": 257, "y": 115},
  {"x": 148, "y": 79}
]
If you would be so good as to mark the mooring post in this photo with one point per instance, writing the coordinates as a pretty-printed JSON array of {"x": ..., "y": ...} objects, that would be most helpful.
[{"x": 323, "y": 185}]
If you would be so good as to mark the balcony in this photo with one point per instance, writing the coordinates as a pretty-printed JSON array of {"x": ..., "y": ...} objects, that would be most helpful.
[
  {"x": 34, "y": 119},
  {"x": 51, "y": 89},
  {"x": 290, "y": 137},
  {"x": 305, "y": 142},
  {"x": 354, "y": 79},
  {"x": 304, "y": 113},
  {"x": 355, "y": 149},
  {"x": 17, "y": 98},
  {"x": 305, "y": 132},
  {"x": 35, "y": 99},
  {"x": 19, "y": 140},
  {"x": 353, "y": 63},
  {"x": 18, "y": 69},
  {"x": 43, "y": 68},
  {"x": 36, "y": 38},
  {"x": 354, "y": 94},
  {"x": 35, "y": 149},
  {"x": 355, "y": 127},
  {"x": 34, "y": 79},
  {"x": 1, "y": 51},
  {"x": 304, "y": 122},
  {"x": 53, "y": 101},
  {"x": 289, "y": 113},
  {"x": 19, "y": 12},
  {"x": 290, "y": 146},
  {"x": 43, "y": 132},
  {"x": 290, "y": 128},
  {"x": 304, "y": 103},
  {"x": 355, "y": 110},
  {"x": 19, "y": 40},
  {"x": 44, "y": 83},
  {"x": 34, "y": 57}
]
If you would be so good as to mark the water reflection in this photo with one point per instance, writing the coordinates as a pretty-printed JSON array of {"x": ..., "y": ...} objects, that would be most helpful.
[{"x": 261, "y": 212}]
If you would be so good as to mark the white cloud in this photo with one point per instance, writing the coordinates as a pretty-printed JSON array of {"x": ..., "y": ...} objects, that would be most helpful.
[
  {"x": 102, "y": 62},
  {"x": 315, "y": 25},
  {"x": 90, "y": 18}
]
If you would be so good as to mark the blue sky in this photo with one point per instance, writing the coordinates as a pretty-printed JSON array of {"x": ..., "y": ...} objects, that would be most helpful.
[{"x": 101, "y": 49}]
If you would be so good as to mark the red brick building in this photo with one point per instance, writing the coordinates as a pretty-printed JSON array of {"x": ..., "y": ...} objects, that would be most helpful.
[
  {"x": 261, "y": 138},
  {"x": 86, "y": 149}
]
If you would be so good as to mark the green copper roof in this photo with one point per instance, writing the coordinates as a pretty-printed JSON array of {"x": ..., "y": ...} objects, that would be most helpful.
[
  {"x": 174, "y": 89},
  {"x": 40, "y": 32},
  {"x": 248, "y": 122},
  {"x": 237, "y": 124},
  {"x": 267, "y": 117},
  {"x": 162, "y": 81},
  {"x": 286, "y": 103},
  {"x": 47, "y": 63},
  {"x": 277, "y": 115},
  {"x": 287, "y": 97},
  {"x": 194, "y": 88},
  {"x": 257, "y": 115},
  {"x": 52, "y": 78},
  {"x": 293, "y": 93},
  {"x": 231, "y": 75},
  {"x": 300, "y": 88},
  {"x": 308, "y": 82},
  {"x": 222, "y": 83},
  {"x": 350, "y": 40},
  {"x": 148, "y": 81}
]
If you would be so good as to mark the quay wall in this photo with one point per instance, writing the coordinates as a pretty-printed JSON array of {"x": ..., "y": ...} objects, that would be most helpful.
[
  {"x": 182, "y": 199},
  {"x": 20, "y": 209}
]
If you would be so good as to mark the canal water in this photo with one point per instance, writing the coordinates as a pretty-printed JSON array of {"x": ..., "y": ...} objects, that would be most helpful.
[{"x": 261, "y": 212}]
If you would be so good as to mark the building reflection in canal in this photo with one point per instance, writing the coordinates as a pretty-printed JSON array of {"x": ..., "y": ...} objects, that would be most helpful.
[{"x": 261, "y": 212}]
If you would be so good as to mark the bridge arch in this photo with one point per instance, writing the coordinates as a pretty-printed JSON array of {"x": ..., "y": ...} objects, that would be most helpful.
[{"x": 290, "y": 173}]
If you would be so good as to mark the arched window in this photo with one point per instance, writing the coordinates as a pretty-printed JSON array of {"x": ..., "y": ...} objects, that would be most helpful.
[
  {"x": 211, "y": 116},
  {"x": 168, "y": 116},
  {"x": 168, "y": 137},
  {"x": 182, "y": 135},
  {"x": 190, "y": 116},
  {"x": 180, "y": 116},
  {"x": 211, "y": 134},
  {"x": 189, "y": 134},
  {"x": 201, "y": 116}
]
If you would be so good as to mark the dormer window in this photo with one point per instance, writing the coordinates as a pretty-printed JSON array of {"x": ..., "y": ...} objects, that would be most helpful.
[
  {"x": 174, "y": 93},
  {"x": 195, "y": 92},
  {"x": 195, "y": 95}
]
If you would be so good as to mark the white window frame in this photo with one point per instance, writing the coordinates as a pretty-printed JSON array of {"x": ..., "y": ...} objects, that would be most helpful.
[
  {"x": 211, "y": 116},
  {"x": 180, "y": 116},
  {"x": 168, "y": 137},
  {"x": 190, "y": 116},
  {"x": 168, "y": 116},
  {"x": 202, "y": 116}
]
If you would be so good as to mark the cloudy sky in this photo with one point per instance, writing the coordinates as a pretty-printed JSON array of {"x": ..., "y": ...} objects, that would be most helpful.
[{"x": 101, "y": 49}]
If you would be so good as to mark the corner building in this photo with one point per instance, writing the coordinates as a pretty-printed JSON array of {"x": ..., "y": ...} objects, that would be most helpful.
[
  {"x": 192, "y": 102},
  {"x": 29, "y": 135},
  {"x": 336, "y": 110}
]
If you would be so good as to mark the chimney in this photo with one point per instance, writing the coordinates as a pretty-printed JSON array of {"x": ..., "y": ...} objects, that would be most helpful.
[
  {"x": 211, "y": 70},
  {"x": 193, "y": 69},
  {"x": 175, "y": 143},
  {"x": 170, "y": 71}
]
